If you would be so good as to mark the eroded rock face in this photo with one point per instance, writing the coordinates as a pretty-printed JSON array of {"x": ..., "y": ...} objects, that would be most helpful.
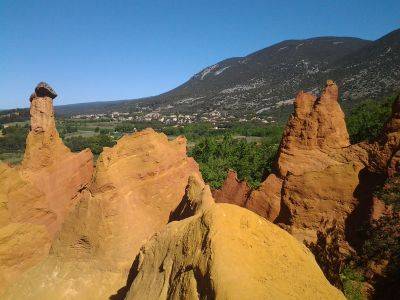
[
  {"x": 24, "y": 214},
  {"x": 318, "y": 199},
  {"x": 232, "y": 191},
  {"x": 21, "y": 201},
  {"x": 320, "y": 172},
  {"x": 266, "y": 200},
  {"x": 197, "y": 197},
  {"x": 137, "y": 184},
  {"x": 36, "y": 196},
  {"x": 140, "y": 185},
  {"x": 312, "y": 141},
  {"x": 320, "y": 178},
  {"x": 313, "y": 133},
  {"x": 48, "y": 164},
  {"x": 15, "y": 257},
  {"x": 227, "y": 252}
]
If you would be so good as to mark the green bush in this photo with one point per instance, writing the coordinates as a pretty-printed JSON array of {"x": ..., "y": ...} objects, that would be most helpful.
[
  {"x": 14, "y": 115},
  {"x": 14, "y": 138},
  {"x": 352, "y": 281},
  {"x": 216, "y": 155},
  {"x": 365, "y": 121},
  {"x": 271, "y": 132},
  {"x": 382, "y": 237},
  {"x": 65, "y": 127},
  {"x": 382, "y": 241},
  {"x": 197, "y": 131},
  {"x": 104, "y": 131},
  {"x": 193, "y": 131},
  {"x": 95, "y": 143},
  {"x": 125, "y": 127}
]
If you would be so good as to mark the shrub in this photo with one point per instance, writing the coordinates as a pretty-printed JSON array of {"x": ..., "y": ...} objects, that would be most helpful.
[
  {"x": 95, "y": 143},
  {"x": 216, "y": 155},
  {"x": 14, "y": 138},
  {"x": 352, "y": 281},
  {"x": 382, "y": 242},
  {"x": 365, "y": 121}
]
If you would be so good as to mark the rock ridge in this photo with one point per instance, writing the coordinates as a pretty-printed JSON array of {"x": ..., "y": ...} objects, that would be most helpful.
[
  {"x": 37, "y": 195},
  {"x": 136, "y": 186},
  {"x": 201, "y": 255}
]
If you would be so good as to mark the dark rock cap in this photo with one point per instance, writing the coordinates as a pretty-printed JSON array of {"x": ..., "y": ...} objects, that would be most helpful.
[
  {"x": 33, "y": 96},
  {"x": 45, "y": 90}
]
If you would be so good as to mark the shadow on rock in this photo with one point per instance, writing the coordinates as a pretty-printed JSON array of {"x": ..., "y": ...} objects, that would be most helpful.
[
  {"x": 133, "y": 272},
  {"x": 361, "y": 214}
]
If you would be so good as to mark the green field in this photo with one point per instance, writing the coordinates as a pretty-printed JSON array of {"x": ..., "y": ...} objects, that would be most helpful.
[{"x": 12, "y": 158}]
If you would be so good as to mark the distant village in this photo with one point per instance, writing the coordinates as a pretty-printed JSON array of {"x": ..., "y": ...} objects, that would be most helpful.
[
  {"x": 214, "y": 117},
  {"x": 145, "y": 115}
]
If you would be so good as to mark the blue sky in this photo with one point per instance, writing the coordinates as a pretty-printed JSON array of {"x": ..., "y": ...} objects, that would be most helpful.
[{"x": 110, "y": 50}]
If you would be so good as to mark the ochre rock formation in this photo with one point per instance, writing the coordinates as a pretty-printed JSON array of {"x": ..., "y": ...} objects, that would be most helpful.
[
  {"x": 207, "y": 250},
  {"x": 197, "y": 197},
  {"x": 232, "y": 191},
  {"x": 321, "y": 182},
  {"x": 21, "y": 201},
  {"x": 24, "y": 238},
  {"x": 57, "y": 172},
  {"x": 227, "y": 252},
  {"x": 317, "y": 199},
  {"x": 22, "y": 246},
  {"x": 36, "y": 196},
  {"x": 137, "y": 185},
  {"x": 315, "y": 130},
  {"x": 319, "y": 172},
  {"x": 319, "y": 177},
  {"x": 266, "y": 200},
  {"x": 312, "y": 141}
]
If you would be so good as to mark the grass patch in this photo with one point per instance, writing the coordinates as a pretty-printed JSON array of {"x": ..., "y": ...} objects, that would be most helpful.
[{"x": 353, "y": 282}]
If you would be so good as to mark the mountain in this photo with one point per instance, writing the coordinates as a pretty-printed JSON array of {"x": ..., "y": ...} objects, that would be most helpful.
[
  {"x": 269, "y": 66},
  {"x": 266, "y": 81},
  {"x": 264, "y": 84},
  {"x": 372, "y": 70},
  {"x": 261, "y": 80}
]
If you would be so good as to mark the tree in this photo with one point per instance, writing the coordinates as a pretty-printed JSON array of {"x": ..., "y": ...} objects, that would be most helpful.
[
  {"x": 216, "y": 155},
  {"x": 366, "y": 120},
  {"x": 95, "y": 143}
]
